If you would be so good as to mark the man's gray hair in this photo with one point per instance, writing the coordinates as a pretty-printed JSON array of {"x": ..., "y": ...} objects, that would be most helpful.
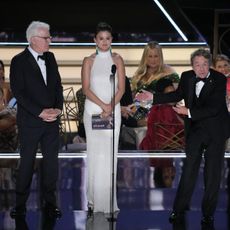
[{"x": 32, "y": 29}]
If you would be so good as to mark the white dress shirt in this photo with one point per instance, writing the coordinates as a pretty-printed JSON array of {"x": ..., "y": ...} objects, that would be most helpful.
[
  {"x": 41, "y": 63},
  {"x": 199, "y": 86}
]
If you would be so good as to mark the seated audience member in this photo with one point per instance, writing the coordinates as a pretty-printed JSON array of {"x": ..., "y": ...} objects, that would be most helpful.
[
  {"x": 7, "y": 94},
  {"x": 128, "y": 122},
  {"x": 222, "y": 64},
  {"x": 8, "y": 128},
  {"x": 8, "y": 143},
  {"x": 151, "y": 69},
  {"x": 126, "y": 106},
  {"x": 164, "y": 171},
  {"x": 81, "y": 137}
]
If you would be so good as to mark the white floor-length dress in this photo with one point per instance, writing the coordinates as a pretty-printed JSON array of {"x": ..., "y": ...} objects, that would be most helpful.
[{"x": 99, "y": 142}]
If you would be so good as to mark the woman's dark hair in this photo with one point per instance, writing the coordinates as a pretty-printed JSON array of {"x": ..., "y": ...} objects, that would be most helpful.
[
  {"x": 162, "y": 84},
  {"x": 3, "y": 68},
  {"x": 103, "y": 26},
  {"x": 2, "y": 65},
  {"x": 1, "y": 92}
]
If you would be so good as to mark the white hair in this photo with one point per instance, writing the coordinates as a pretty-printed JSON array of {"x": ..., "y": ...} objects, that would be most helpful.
[{"x": 32, "y": 29}]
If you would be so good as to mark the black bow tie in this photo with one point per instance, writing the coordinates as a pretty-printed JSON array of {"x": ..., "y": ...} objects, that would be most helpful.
[
  {"x": 41, "y": 56},
  {"x": 198, "y": 79}
]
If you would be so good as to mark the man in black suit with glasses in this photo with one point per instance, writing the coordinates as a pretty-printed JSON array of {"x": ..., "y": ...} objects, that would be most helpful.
[{"x": 36, "y": 84}]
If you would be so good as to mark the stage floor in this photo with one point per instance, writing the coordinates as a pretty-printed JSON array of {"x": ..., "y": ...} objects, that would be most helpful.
[{"x": 143, "y": 201}]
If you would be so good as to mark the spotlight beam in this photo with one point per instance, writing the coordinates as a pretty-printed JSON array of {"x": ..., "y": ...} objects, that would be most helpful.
[{"x": 171, "y": 20}]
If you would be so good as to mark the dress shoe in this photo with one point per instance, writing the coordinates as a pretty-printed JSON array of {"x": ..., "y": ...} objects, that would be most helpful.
[
  {"x": 18, "y": 213},
  {"x": 176, "y": 218},
  {"x": 20, "y": 224},
  {"x": 207, "y": 223},
  {"x": 47, "y": 223},
  {"x": 52, "y": 211}
]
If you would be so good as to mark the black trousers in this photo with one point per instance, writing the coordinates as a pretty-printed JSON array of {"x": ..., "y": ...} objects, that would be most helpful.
[
  {"x": 30, "y": 137},
  {"x": 199, "y": 144}
]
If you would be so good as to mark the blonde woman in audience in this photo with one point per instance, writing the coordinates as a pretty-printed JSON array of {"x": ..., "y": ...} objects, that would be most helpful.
[{"x": 151, "y": 68}]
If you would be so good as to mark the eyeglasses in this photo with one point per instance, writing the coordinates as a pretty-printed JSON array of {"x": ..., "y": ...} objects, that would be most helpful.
[{"x": 46, "y": 38}]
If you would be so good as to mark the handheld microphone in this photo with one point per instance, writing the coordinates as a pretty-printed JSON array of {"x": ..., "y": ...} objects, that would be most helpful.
[{"x": 113, "y": 69}]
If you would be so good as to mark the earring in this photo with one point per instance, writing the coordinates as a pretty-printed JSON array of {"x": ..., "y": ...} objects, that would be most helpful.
[
  {"x": 96, "y": 50},
  {"x": 110, "y": 49}
]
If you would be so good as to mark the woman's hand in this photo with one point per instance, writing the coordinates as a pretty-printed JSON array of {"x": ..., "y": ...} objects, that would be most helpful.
[
  {"x": 107, "y": 108},
  {"x": 126, "y": 111},
  {"x": 104, "y": 114}
]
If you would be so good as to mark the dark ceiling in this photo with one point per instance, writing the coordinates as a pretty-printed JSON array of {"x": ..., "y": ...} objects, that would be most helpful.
[
  {"x": 203, "y": 13},
  {"x": 126, "y": 16}
]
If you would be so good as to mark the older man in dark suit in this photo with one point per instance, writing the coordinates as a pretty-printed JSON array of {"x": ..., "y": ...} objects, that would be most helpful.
[
  {"x": 207, "y": 126},
  {"x": 36, "y": 85}
]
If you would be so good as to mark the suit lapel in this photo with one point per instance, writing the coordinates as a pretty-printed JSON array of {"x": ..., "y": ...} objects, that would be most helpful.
[
  {"x": 36, "y": 67},
  {"x": 208, "y": 86},
  {"x": 33, "y": 62}
]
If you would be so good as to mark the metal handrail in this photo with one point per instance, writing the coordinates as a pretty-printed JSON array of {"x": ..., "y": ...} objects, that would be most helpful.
[{"x": 121, "y": 154}]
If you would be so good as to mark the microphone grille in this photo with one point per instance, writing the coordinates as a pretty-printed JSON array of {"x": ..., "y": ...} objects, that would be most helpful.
[{"x": 113, "y": 69}]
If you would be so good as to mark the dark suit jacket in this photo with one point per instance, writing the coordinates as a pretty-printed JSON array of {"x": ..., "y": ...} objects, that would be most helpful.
[
  {"x": 210, "y": 112},
  {"x": 127, "y": 99},
  {"x": 30, "y": 90}
]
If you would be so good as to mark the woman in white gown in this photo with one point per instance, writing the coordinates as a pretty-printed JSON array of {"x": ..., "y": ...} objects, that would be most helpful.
[{"x": 96, "y": 85}]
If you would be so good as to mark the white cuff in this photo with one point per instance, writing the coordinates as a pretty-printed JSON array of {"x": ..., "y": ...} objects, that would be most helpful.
[{"x": 189, "y": 114}]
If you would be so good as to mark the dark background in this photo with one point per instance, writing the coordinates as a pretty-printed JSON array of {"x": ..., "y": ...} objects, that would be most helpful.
[{"x": 78, "y": 18}]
